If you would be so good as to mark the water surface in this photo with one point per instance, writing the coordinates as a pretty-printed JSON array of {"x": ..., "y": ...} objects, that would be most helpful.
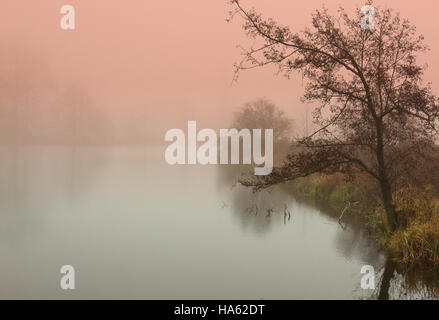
[{"x": 135, "y": 227}]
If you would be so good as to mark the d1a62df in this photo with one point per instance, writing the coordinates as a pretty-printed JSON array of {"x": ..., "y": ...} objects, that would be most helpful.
[{"x": 240, "y": 309}]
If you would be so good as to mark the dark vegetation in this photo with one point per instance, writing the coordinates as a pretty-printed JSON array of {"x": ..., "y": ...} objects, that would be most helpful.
[{"x": 375, "y": 154}]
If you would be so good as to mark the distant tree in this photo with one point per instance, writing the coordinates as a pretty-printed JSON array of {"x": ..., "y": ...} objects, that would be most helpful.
[
  {"x": 373, "y": 110},
  {"x": 263, "y": 114}
]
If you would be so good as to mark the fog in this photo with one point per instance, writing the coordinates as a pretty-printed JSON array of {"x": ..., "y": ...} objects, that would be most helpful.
[{"x": 130, "y": 72}]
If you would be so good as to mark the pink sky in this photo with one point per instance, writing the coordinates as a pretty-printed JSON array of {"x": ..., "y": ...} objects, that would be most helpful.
[{"x": 170, "y": 59}]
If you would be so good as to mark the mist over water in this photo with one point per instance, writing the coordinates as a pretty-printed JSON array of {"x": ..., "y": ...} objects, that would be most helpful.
[
  {"x": 83, "y": 179},
  {"x": 135, "y": 227},
  {"x": 108, "y": 213}
]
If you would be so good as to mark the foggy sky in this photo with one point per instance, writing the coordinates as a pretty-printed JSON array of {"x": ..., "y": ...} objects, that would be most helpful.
[{"x": 158, "y": 64}]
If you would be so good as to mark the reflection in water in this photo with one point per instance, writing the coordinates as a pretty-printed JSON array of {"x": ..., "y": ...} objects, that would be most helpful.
[
  {"x": 135, "y": 227},
  {"x": 351, "y": 240},
  {"x": 33, "y": 178},
  {"x": 402, "y": 284},
  {"x": 17, "y": 223},
  {"x": 259, "y": 211},
  {"x": 389, "y": 269}
]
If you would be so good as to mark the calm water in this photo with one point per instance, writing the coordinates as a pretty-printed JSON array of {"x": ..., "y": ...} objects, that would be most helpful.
[{"x": 135, "y": 227}]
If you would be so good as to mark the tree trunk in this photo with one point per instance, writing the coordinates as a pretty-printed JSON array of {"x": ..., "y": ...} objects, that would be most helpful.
[
  {"x": 388, "y": 205},
  {"x": 386, "y": 190}
]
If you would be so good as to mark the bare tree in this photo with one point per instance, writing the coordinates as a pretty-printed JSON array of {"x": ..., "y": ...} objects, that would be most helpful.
[
  {"x": 373, "y": 114},
  {"x": 263, "y": 114}
]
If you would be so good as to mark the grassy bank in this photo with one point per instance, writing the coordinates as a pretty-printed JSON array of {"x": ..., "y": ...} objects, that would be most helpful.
[{"x": 416, "y": 242}]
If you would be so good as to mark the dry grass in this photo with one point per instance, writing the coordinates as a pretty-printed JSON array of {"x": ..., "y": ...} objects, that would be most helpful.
[{"x": 417, "y": 242}]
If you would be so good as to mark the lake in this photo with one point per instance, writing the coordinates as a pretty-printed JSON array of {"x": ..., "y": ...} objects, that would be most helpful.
[{"x": 134, "y": 227}]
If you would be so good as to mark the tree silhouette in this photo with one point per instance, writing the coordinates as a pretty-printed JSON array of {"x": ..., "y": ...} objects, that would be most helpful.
[
  {"x": 373, "y": 111},
  {"x": 263, "y": 114}
]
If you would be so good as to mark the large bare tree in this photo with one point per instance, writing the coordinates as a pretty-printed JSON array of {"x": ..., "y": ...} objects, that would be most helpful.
[{"x": 373, "y": 111}]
